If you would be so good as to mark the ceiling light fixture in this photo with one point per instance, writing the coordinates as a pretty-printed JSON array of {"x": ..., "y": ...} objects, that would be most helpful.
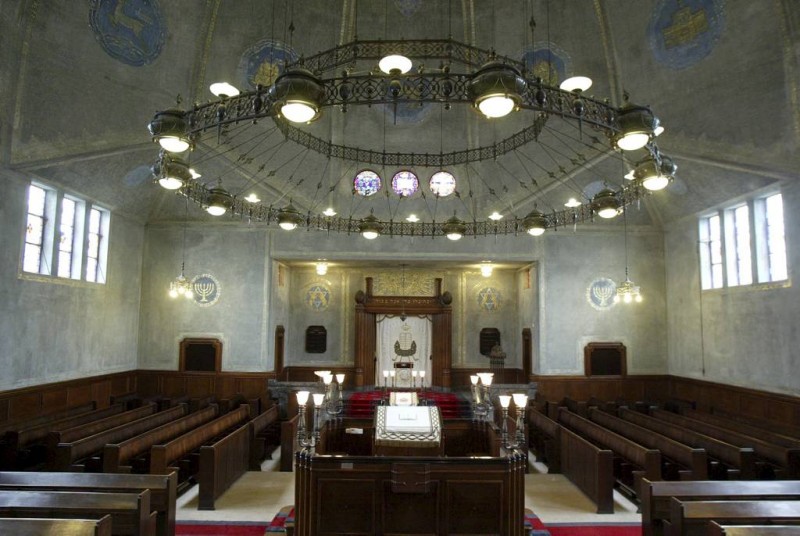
[
  {"x": 627, "y": 291},
  {"x": 535, "y": 223},
  {"x": 454, "y": 228},
  {"x": 345, "y": 76},
  {"x": 171, "y": 171},
  {"x": 321, "y": 267},
  {"x": 289, "y": 217},
  {"x": 486, "y": 269},
  {"x": 219, "y": 200},
  {"x": 223, "y": 89}
]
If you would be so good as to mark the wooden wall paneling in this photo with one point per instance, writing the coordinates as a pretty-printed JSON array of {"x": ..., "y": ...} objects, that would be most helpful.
[
  {"x": 253, "y": 387},
  {"x": 225, "y": 387},
  {"x": 198, "y": 385},
  {"x": 4, "y": 406},
  {"x": 54, "y": 399},
  {"x": 25, "y": 405},
  {"x": 101, "y": 393},
  {"x": 173, "y": 386},
  {"x": 79, "y": 395},
  {"x": 149, "y": 383}
]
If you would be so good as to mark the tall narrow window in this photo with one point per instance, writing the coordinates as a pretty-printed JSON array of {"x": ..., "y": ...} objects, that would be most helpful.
[
  {"x": 740, "y": 266},
  {"x": 95, "y": 238},
  {"x": 66, "y": 241},
  {"x": 711, "y": 251},
  {"x": 776, "y": 244},
  {"x": 33, "y": 255}
]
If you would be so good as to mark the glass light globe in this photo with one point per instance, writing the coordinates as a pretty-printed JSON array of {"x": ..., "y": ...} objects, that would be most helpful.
[
  {"x": 188, "y": 294},
  {"x": 302, "y": 397},
  {"x": 627, "y": 298},
  {"x": 173, "y": 144},
  {"x": 223, "y": 89},
  {"x": 322, "y": 268},
  {"x": 170, "y": 183},
  {"x": 638, "y": 298},
  {"x": 173, "y": 293},
  {"x": 370, "y": 234},
  {"x": 536, "y": 231},
  {"x": 495, "y": 106},
  {"x": 394, "y": 63},
  {"x": 607, "y": 213},
  {"x": 486, "y": 270},
  {"x": 576, "y": 83},
  {"x": 454, "y": 236},
  {"x": 287, "y": 225},
  {"x": 216, "y": 210},
  {"x": 298, "y": 112},
  {"x": 633, "y": 141},
  {"x": 656, "y": 182},
  {"x": 505, "y": 400}
]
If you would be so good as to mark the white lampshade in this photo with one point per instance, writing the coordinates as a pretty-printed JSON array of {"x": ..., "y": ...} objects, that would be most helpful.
[
  {"x": 474, "y": 379},
  {"x": 173, "y": 144},
  {"x": 216, "y": 210},
  {"x": 572, "y": 203},
  {"x": 414, "y": 373},
  {"x": 505, "y": 400},
  {"x": 321, "y": 373},
  {"x": 298, "y": 111},
  {"x": 486, "y": 269},
  {"x": 421, "y": 373},
  {"x": 340, "y": 379},
  {"x": 576, "y": 83},
  {"x": 494, "y": 106},
  {"x": 322, "y": 268},
  {"x": 486, "y": 378},
  {"x": 520, "y": 400},
  {"x": 327, "y": 379},
  {"x": 170, "y": 183},
  {"x": 656, "y": 182},
  {"x": 607, "y": 212},
  {"x": 454, "y": 236},
  {"x": 252, "y": 198},
  {"x": 394, "y": 63},
  {"x": 173, "y": 293},
  {"x": 329, "y": 212},
  {"x": 319, "y": 398},
  {"x": 536, "y": 231},
  {"x": 369, "y": 234},
  {"x": 223, "y": 89},
  {"x": 385, "y": 373},
  {"x": 392, "y": 373},
  {"x": 633, "y": 141},
  {"x": 302, "y": 397}
]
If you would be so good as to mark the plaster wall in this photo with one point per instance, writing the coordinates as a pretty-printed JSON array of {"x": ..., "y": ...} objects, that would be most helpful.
[
  {"x": 742, "y": 336},
  {"x": 56, "y": 329}
]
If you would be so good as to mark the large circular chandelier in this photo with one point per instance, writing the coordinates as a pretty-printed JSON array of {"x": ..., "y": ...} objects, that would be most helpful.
[{"x": 495, "y": 86}]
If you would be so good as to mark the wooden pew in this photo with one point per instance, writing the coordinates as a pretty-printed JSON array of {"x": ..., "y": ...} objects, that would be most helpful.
[
  {"x": 579, "y": 407},
  {"x": 655, "y": 496},
  {"x": 68, "y": 453},
  {"x": 763, "y": 424},
  {"x": 161, "y": 456},
  {"x": 130, "y": 512},
  {"x": 221, "y": 464},
  {"x": 56, "y": 527},
  {"x": 259, "y": 429},
  {"x": 116, "y": 456},
  {"x": 648, "y": 461},
  {"x": 289, "y": 443},
  {"x": 750, "y": 430},
  {"x": 37, "y": 433},
  {"x": 787, "y": 458},
  {"x": 26, "y": 422},
  {"x": 68, "y": 435},
  {"x": 546, "y": 439},
  {"x": 163, "y": 489},
  {"x": 740, "y": 460},
  {"x": 695, "y": 460},
  {"x": 590, "y": 468},
  {"x": 691, "y": 518},
  {"x": 715, "y": 529}
]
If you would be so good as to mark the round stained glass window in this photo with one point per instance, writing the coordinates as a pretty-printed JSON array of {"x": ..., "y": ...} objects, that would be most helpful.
[
  {"x": 366, "y": 183},
  {"x": 405, "y": 183},
  {"x": 442, "y": 183}
]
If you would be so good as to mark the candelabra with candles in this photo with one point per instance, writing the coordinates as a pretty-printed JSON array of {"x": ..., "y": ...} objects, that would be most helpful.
[
  {"x": 521, "y": 402},
  {"x": 481, "y": 394},
  {"x": 305, "y": 438}
]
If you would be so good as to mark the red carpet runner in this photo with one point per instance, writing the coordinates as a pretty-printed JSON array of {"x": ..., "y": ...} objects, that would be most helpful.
[
  {"x": 361, "y": 405},
  {"x": 532, "y": 523}
]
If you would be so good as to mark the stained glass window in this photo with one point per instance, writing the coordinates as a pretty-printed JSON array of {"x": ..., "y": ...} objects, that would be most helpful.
[
  {"x": 442, "y": 183},
  {"x": 405, "y": 183},
  {"x": 367, "y": 183},
  {"x": 34, "y": 233}
]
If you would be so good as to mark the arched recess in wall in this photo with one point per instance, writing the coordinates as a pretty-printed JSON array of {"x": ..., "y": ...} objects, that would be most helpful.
[{"x": 368, "y": 306}]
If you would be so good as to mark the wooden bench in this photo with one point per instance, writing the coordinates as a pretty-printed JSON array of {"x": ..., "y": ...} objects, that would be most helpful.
[
  {"x": 130, "y": 512},
  {"x": 221, "y": 464},
  {"x": 29, "y": 435},
  {"x": 694, "y": 460},
  {"x": 289, "y": 443},
  {"x": 635, "y": 462},
  {"x": 741, "y": 461},
  {"x": 788, "y": 459},
  {"x": 655, "y": 496},
  {"x": 260, "y": 427},
  {"x": 545, "y": 439},
  {"x": 750, "y": 430},
  {"x": 763, "y": 424},
  {"x": 590, "y": 468},
  {"x": 56, "y": 527},
  {"x": 68, "y": 453},
  {"x": 579, "y": 407},
  {"x": 162, "y": 456},
  {"x": 163, "y": 489},
  {"x": 715, "y": 529},
  {"x": 116, "y": 456},
  {"x": 25, "y": 422},
  {"x": 691, "y": 518}
]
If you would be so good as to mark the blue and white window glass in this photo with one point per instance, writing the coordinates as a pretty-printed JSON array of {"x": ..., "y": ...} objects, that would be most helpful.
[
  {"x": 405, "y": 183},
  {"x": 367, "y": 183}
]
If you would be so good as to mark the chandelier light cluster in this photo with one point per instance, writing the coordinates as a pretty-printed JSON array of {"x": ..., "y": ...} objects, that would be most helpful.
[{"x": 496, "y": 86}]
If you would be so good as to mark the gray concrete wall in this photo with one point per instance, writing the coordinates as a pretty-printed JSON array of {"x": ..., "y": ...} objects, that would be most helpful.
[
  {"x": 54, "y": 329},
  {"x": 742, "y": 336}
]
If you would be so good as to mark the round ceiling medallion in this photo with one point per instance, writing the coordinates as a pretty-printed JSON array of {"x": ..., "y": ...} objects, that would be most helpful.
[{"x": 442, "y": 183}]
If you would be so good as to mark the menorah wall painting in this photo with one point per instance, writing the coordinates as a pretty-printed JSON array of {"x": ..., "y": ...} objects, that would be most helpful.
[
  {"x": 206, "y": 289},
  {"x": 601, "y": 292}
]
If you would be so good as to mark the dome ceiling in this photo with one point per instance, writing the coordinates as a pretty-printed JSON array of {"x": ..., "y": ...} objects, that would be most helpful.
[{"x": 79, "y": 86}]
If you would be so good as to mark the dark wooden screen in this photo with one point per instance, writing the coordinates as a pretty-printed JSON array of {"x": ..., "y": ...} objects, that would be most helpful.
[
  {"x": 316, "y": 339},
  {"x": 605, "y": 359},
  {"x": 201, "y": 355}
]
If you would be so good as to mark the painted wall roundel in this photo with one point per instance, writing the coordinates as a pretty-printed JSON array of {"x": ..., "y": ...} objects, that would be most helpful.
[
  {"x": 131, "y": 31},
  {"x": 683, "y": 32}
]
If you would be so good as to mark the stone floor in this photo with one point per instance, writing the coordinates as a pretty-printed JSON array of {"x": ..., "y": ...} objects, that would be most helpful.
[{"x": 257, "y": 497}]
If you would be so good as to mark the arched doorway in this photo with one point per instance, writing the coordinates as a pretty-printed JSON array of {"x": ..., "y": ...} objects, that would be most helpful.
[{"x": 437, "y": 307}]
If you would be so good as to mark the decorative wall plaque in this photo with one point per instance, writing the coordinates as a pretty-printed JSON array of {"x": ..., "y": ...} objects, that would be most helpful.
[
  {"x": 318, "y": 297},
  {"x": 206, "y": 290},
  {"x": 601, "y": 292},
  {"x": 130, "y": 31},
  {"x": 263, "y": 62},
  {"x": 683, "y": 32},
  {"x": 489, "y": 299}
]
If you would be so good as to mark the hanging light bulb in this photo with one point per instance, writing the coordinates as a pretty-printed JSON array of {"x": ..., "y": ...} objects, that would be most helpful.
[
  {"x": 322, "y": 268},
  {"x": 486, "y": 269},
  {"x": 606, "y": 204}
]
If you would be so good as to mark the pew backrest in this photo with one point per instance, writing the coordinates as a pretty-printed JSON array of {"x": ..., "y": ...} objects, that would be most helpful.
[
  {"x": 68, "y": 435},
  {"x": 61, "y": 527},
  {"x": 715, "y": 529},
  {"x": 689, "y": 518}
]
